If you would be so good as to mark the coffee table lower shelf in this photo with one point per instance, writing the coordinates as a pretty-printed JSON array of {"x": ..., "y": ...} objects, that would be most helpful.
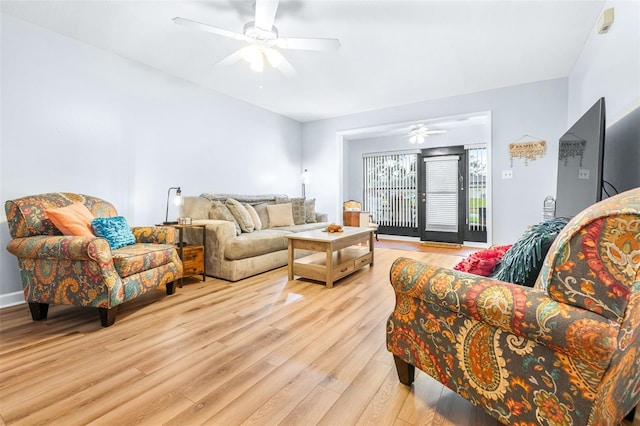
[{"x": 343, "y": 263}]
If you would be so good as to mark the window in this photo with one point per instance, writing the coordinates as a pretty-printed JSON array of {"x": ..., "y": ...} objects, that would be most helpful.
[{"x": 477, "y": 188}]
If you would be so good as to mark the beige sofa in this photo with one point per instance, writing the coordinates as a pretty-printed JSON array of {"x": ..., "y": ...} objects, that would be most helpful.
[{"x": 233, "y": 255}]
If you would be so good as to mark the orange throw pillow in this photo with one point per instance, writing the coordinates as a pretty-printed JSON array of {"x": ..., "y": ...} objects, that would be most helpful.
[{"x": 74, "y": 219}]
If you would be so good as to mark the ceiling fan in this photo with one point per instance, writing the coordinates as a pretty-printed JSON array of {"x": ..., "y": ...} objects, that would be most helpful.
[
  {"x": 263, "y": 40},
  {"x": 419, "y": 133}
]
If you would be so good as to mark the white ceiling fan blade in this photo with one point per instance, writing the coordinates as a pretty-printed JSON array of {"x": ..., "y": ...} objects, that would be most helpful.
[
  {"x": 308, "y": 43},
  {"x": 434, "y": 132},
  {"x": 208, "y": 28},
  {"x": 231, "y": 59},
  {"x": 287, "y": 69},
  {"x": 266, "y": 13}
]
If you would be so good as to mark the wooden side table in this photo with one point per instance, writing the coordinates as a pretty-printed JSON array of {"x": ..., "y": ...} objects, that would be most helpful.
[
  {"x": 355, "y": 218},
  {"x": 193, "y": 257}
]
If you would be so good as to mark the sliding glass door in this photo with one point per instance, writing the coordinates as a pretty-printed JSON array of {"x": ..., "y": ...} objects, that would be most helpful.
[
  {"x": 390, "y": 188},
  {"x": 438, "y": 195}
]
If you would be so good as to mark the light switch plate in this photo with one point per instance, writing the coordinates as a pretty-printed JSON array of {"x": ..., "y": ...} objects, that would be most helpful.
[
  {"x": 583, "y": 174},
  {"x": 507, "y": 174}
]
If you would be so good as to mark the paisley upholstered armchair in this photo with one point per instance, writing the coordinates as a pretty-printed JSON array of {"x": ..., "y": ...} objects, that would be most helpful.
[
  {"x": 85, "y": 270},
  {"x": 564, "y": 352}
]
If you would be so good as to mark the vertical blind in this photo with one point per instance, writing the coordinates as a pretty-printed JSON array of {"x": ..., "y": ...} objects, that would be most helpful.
[
  {"x": 390, "y": 188},
  {"x": 441, "y": 187}
]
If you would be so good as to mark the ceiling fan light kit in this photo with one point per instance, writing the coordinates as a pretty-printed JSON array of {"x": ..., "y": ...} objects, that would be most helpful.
[{"x": 263, "y": 42}]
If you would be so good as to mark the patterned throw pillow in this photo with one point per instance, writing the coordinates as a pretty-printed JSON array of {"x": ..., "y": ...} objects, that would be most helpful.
[
  {"x": 115, "y": 230},
  {"x": 310, "y": 210},
  {"x": 219, "y": 211},
  {"x": 240, "y": 214},
  {"x": 280, "y": 215},
  {"x": 257, "y": 223}
]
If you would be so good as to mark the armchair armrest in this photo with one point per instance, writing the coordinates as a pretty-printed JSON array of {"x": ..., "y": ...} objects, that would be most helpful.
[
  {"x": 522, "y": 311},
  {"x": 61, "y": 247},
  {"x": 154, "y": 234},
  {"x": 322, "y": 217}
]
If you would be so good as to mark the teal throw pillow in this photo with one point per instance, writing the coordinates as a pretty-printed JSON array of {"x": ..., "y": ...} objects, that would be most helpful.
[
  {"x": 115, "y": 230},
  {"x": 521, "y": 264}
]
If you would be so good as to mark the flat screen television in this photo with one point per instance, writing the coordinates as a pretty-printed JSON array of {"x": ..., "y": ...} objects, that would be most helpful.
[
  {"x": 580, "y": 163},
  {"x": 622, "y": 154}
]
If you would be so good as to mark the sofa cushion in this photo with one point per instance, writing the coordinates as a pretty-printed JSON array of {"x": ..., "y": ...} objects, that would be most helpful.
[
  {"x": 280, "y": 215},
  {"x": 115, "y": 230},
  {"x": 219, "y": 211},
  {"x": 302, "y": 228},
  {"x": 255, "y": 244},
  {"x": 240, "y": 214},
  {"x": 252, "y": 199},
  {"x": 257, "y": 223},
  {"x": 263, "y": 214},
  {"x": 140, "y": 257},
  {"x": 310, "y": 210},
  {"x": 74, "y": 219},
  {"x": 196, "y": 207}
]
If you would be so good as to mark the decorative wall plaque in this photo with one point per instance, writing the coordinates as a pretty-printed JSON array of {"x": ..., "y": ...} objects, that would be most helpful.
[
  {"x": 571, "y": 149},
  {"x": 529, "y": 151}
]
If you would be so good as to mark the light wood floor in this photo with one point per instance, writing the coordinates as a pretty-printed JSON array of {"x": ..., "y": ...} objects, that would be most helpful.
[{"x": 260, "y": 351}]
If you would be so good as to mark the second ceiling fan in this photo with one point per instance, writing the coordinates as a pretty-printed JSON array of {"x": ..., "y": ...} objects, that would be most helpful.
[{"x": 263, "y": 40}]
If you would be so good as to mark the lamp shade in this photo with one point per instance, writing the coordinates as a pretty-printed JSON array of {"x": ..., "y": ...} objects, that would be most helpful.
[{"x": 305, "y": 177}]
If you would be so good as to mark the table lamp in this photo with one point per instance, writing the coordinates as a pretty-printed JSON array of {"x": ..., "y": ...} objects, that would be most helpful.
[{"x": 177, "y": 201}]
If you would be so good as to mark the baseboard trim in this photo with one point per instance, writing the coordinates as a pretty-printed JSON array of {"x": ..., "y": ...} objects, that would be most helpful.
[
  {"x": 398, "y": 237},
  {"x": 11, "y": 299}
]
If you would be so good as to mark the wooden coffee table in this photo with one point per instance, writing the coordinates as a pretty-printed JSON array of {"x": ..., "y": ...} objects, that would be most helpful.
[{"x": 341, "y": 253}]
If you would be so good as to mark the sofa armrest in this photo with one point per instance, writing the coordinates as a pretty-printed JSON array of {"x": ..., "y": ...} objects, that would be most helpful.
[
  {"x": 61, "y": 247},
  {"x": 154, "y": 234},
  {"x": 522, "y": 311},
  {"x": 217, "y": 233}
]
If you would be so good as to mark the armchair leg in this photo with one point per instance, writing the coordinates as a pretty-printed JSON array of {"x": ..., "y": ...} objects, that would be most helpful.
[
  {"x": 171, "y": 287},
  {"x": 107, "y": 316},
  {"x": 39, "y": 311},
  {"x": 631, "y": 414},
  {"x": 406, "y": 372}
]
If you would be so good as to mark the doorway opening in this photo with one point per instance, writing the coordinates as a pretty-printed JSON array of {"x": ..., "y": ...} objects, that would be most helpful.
[{"x": 394, "y": 196}]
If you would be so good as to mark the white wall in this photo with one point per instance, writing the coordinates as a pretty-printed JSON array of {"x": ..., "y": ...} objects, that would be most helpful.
[
  {"x": 609, "y": 66},
  {"x": 79, "y": 119},
  {"x": 537, "y": 109}
]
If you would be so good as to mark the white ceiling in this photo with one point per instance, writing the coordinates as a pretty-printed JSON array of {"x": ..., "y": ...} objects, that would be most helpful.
[{"x": 393, "y": 52}]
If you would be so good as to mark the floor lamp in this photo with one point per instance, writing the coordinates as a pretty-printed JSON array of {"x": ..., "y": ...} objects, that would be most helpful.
[{"x": 306, "y": 178}]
